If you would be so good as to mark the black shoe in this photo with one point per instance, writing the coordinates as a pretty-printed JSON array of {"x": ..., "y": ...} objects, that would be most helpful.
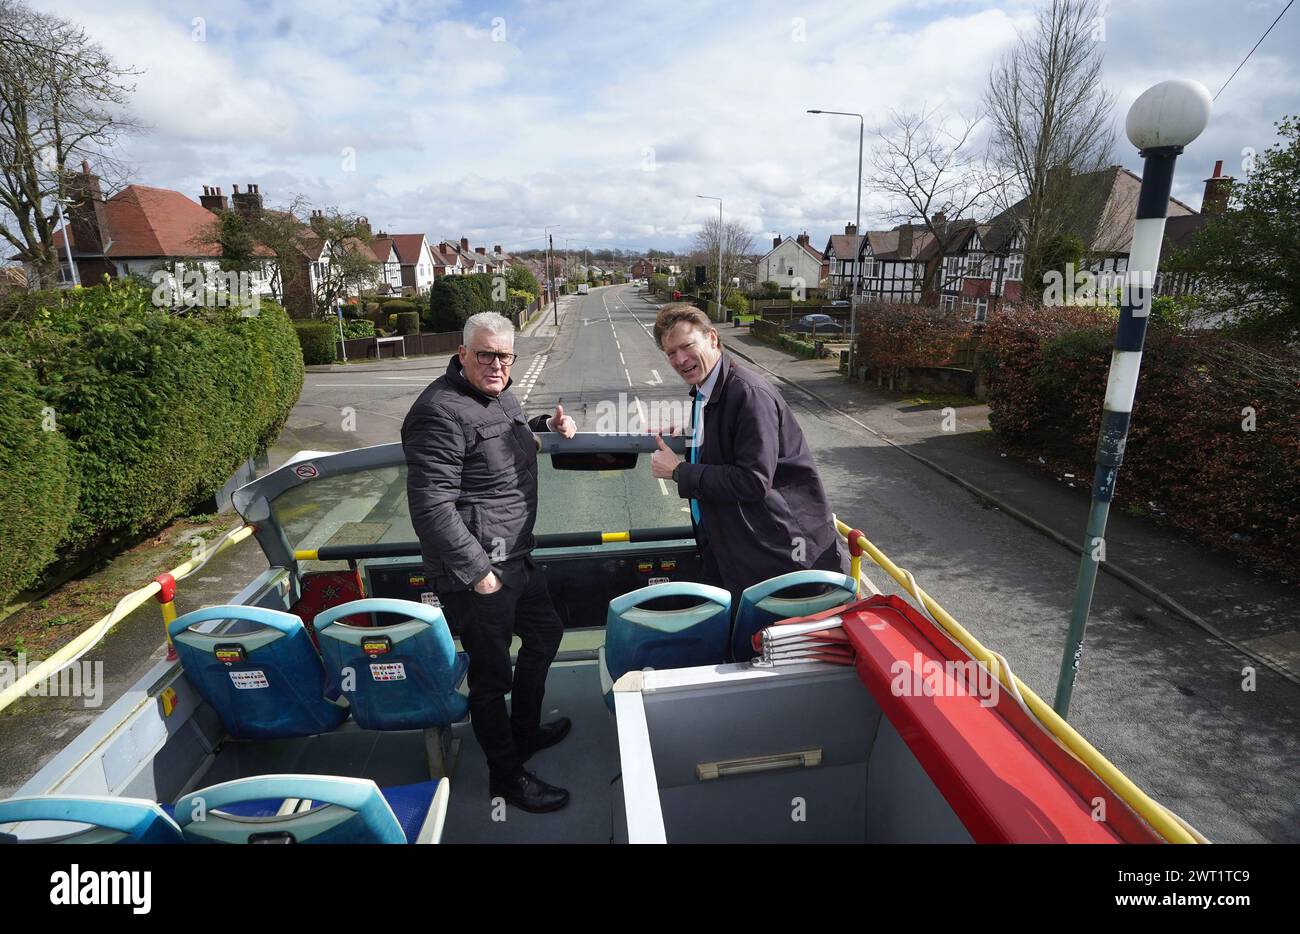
[
  {"x": 529, "y": 793},
  {"x": 547, "y": 735}
]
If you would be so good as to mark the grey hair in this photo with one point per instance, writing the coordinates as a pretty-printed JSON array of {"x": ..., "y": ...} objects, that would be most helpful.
[{"x": 488, "y": 321}]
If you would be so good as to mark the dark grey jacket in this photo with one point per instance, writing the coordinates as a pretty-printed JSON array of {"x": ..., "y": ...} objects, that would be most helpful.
[
  {"x": 762, "y": 503},
  {"x": 471, "y": 478}
]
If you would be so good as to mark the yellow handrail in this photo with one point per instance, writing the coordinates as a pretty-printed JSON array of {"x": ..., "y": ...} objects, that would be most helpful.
[
  {"x": 1150, "y": 810},
  {"x": 127, "y": 605}
]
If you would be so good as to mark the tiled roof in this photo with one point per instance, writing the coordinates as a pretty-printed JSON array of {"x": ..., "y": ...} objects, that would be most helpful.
[
  {"x": 408, "y": 247},
  {"x": 845, "y": 245}
]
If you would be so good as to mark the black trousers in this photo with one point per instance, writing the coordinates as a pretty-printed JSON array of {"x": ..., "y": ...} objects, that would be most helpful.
[{"x": 521, "y": 607}]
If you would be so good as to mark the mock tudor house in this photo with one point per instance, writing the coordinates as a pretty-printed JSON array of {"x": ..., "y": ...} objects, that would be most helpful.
[
  {"x": 642, "y": 269},
  {"x": 842, "y": 252},
  {"x": 792, "y": 262},
  {"x": 891, "y": 265},
  {"x": 417, "y": 262},
  {"x": 390, "y": 275}
]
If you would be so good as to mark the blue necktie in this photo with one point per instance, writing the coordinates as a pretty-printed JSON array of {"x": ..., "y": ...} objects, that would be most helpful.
[{"x": 697, "y": 439}]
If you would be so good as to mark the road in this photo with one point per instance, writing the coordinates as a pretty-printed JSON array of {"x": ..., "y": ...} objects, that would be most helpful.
[{"x": 1162, "y": 700}]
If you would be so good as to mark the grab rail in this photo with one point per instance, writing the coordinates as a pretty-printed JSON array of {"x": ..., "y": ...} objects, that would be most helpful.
[{"x": 162, "y": 588}]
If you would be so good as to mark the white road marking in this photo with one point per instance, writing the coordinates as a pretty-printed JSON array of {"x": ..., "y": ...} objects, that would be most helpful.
[
  {"x": 620, "y": 358},
  {"x": 628, "y": 375},
  {"x": 663, "y": 487}
]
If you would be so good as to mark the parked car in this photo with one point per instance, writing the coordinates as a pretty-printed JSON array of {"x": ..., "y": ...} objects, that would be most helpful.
[
  {"x": 582, "y": 289},
  {"x": 816, "y": 324}
]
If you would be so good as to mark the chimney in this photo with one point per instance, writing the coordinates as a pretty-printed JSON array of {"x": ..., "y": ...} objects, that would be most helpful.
[
  {"x": 497, "y": 249},
  {"x": 939, "y": 221},
  {"x": 905, "y": 241},
  {"x": 850, "y": 230},
  {"x": 464, "y": 244},
  {"x": 247, "y": 204},
  {"x": 481, "y": 250},
  {"x": 213, "y": 199},
  {"x": 87, "y": 214},
  {"x": 363, "y": 228},
  {"x": 1218, "y": 187},
  {"x": 317, "y": 222},
  {"x": 1059, "y": 175},
  {"x": 802, "y": 239},
  {"x": 776, "y": 242}
]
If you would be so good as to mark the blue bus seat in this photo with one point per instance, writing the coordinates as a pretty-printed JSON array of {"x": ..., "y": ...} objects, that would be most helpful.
[
  {"x": 99, "y": 819},
  {"x": 321, "y": 809},
  {"x": 638, "y": 638},
  {"x": 400, "y": 676},
  {"x": 762, "y": 604},
  {"x": 265, "y": 681}
]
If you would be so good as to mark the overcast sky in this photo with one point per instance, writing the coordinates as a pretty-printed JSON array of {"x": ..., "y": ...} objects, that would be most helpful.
[{"x": 490, "y": 120}]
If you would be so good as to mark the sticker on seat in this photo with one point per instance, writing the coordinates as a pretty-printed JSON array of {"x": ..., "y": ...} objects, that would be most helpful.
[{"x": 249, "y": 680}]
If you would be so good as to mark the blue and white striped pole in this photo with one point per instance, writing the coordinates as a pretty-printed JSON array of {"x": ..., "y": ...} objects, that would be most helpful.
[{"x": 1163, "y": 120}]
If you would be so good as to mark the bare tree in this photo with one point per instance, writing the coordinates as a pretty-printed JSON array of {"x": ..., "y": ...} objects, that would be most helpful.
[
  {"x": 280, "y": 243},
  {"x": 62, "y": 100},
  {"x": 1051, "y": 118},
  {"x": 737, "y": 247},
  {"x": 930, "y": 169}
]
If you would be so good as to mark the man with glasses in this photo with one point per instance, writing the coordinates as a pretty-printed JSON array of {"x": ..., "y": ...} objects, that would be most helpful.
[
  {"x": 755, "y": 495},
  {"x": 472, "y": 488}
]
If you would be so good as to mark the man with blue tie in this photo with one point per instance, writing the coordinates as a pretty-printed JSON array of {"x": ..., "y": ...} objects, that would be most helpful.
[{"x": 756, "y": 499}]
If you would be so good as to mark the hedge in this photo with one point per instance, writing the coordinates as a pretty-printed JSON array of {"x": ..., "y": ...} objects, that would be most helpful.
[
  {"x": 158, "y": 409},
  {"x": 38, "y": 496},
  {"x": 1191, "y": 458},
  {"x": 408, "y": 322},
  {"x": 318, "y": 341}
]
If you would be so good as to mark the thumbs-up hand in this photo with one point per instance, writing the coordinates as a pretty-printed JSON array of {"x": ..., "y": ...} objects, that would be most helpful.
[
  {"x": 663, "y": 461},
  {"x": 561, "y": 423}
]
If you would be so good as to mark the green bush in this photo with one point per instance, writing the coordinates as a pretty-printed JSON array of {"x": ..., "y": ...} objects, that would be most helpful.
[
  {"x": 399, "y": 305},
  {"x": 318, "y": 340},
  {"x": 737, "y": 303},
  {"x": 408, "y": 322},
  {"x": 352, "y": 328},
  {"x": 38, "y": 495},
  {"x": 454, "y": 298},
  {"x": 158, "y": 407}
]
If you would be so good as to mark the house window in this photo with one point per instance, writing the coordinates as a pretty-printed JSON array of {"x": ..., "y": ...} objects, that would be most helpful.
[
  {"x": 790, "y": 271},
  {"x": 982, "y": 309},
  {"x": 949, "y": 302},
  {"x": 1015, "y": 268}
]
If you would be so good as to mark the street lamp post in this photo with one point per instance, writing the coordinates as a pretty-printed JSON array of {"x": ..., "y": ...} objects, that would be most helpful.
[
  {"x": 719, "y": 200},
  {"x": 550, "y": 272},
  {"x": 857, "y": 228},
  {"x": 1163, "y": 120}
]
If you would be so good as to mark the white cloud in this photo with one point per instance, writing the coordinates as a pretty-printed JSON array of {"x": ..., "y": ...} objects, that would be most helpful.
[{"x": 493, "y": 122}]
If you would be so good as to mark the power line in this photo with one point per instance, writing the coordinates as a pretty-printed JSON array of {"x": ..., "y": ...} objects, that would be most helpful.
[{"x": 1252, "y": 51}]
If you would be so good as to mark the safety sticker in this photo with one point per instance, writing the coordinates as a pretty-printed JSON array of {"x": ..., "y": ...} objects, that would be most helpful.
[
  {"x": 388, "y": 671},
  {"x": 429, "y": 598},
  {"x": 658, "y": 580},
  {"x": 306, "y": 471},
  {"x": 249, "y": 680}
]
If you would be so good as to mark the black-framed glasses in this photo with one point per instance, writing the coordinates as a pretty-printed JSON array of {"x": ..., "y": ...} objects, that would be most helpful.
[{"x": 485, "y": 357}]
